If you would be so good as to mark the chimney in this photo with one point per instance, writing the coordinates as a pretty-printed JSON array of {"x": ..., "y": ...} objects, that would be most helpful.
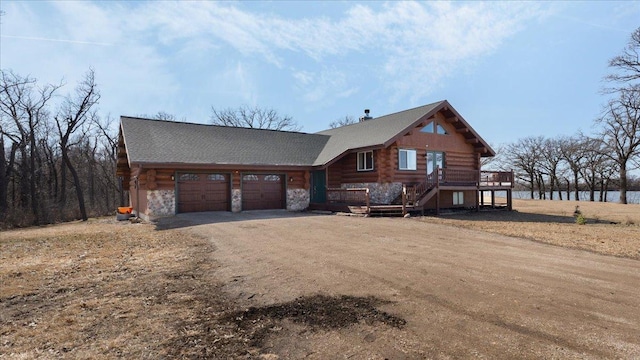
[{"x": 366, "y": 116}]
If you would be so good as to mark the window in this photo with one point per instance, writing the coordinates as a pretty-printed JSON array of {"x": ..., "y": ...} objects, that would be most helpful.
[
  {"x": 216, "y": 177},
  {"x": 274, "y": 178},
  {"x": 433, "y": 128},
  {"x": 365, "y": 161},
  {"x": 435, "y": 159},
  {"x": 250, "y": 177},
  {"x": 189, "y": 177},
  {"x": 458, "y": 198},
  {"x": 407, "y": 159},
  {"x": 428, "y": 128}
]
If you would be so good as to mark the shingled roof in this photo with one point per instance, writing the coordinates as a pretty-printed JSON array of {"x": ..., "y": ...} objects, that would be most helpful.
[{"x": 166, "y": 142}]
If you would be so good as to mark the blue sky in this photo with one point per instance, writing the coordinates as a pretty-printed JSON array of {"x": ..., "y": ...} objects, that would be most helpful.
[{"x": 512, "y": 69}]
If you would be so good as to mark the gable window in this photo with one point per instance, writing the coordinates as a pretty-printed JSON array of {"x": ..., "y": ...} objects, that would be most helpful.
[
  {"x": 433, "y": 128},
  {"x": 407, "y": 159},
  {"x": 365, "y": 160},
  {"x": 458, "y": 198},
  {"x": 427, "y": 128}
]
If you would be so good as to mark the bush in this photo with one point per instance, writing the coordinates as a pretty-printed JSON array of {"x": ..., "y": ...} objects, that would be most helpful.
[{"x": 580, "y": 219}]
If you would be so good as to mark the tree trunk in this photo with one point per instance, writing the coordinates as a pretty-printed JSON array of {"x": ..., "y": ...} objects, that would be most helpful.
[
  {"x": 63, "y": 186},
  {"x": 76, "y": 183},
  {"x": 532, "y": 180},
  {"x": 4, "y": 180},
  {"x": 575, "y": 182},
  {"x": 623, "y": 183}
]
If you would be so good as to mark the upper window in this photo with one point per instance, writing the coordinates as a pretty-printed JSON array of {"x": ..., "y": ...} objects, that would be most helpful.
[
  {"x": 407, "y": 159},
  {"x": 434, "y": 128},
  {"x": 428, "y": 128},
  {"x": 365, "y": 161}
]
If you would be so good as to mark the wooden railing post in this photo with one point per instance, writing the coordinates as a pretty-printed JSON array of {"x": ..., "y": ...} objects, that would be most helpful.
[
  {"x": 368, "y": 200},
  {"x": 404, "y": 199}
]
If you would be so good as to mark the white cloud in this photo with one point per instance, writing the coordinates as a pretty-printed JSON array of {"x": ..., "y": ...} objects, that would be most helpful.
[
  {"x": 407, "y": 47},
  {"x": 416, "y": 45}
]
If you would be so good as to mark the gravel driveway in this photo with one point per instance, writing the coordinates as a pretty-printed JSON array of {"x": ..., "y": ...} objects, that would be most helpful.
[{"x": 463, "y": 293}]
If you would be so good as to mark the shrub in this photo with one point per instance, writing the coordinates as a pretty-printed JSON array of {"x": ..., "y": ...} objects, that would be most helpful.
[{"x": 580, "y": 219}]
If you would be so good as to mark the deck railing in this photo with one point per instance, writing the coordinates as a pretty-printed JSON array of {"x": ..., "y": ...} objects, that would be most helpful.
[
  {"x": 496, "y": 178},
  {"x": 353, "y": 196},
  {"x": 463, "y": 177},
  {"x": 411, "y": 194}
]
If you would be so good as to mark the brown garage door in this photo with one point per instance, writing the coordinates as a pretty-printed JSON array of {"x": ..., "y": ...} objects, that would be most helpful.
[
  {"x": 203, "y": 192},
  {"x": 262, "y": 191}
]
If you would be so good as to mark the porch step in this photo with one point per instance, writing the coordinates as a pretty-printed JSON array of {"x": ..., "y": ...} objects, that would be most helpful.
[{"x": 386, "y": 210}]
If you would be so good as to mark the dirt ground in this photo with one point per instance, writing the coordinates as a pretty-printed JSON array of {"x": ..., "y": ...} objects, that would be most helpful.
[{"x": 277, "y": 285}]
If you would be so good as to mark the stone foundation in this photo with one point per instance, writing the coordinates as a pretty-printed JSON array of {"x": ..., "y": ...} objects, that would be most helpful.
[
  {"x": 383, "y": 193},
  {"x": 160, "y": 203},
  {"x": 236, "y": 200},
  {"x": 297, "y": 199}
]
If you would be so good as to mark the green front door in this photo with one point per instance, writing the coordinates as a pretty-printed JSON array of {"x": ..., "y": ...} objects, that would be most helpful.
[{"x": 318, "y": 187}]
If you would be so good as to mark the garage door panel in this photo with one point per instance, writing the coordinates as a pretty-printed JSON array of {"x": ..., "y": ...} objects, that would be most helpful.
[
  {"x": 262, "y": 191},
  {"x": 203, "y": 192}
]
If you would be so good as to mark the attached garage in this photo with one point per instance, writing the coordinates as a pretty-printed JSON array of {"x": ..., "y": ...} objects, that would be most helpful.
[
  {"x": 203, "y": 192},
  {"x": 263, "y": 191}
]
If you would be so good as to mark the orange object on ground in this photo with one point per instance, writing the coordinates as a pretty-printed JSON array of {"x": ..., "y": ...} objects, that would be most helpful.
[{"x": 125, "y": 210}]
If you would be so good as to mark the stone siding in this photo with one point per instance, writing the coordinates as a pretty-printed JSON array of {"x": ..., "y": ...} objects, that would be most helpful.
[
  {"x": 297, "y": 199},
  {"x": 160, "y": 203},
  {"x": 383, "y": 193},
  {"x": 236, "y": 200}
]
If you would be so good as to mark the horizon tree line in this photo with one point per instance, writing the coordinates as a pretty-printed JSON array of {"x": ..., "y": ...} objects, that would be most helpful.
[{"x": 595, "y": 162}]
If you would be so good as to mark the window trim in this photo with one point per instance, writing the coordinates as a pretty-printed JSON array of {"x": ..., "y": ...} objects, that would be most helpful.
[
  {"x": 415, "y": 160},
  {"x": 361, "y": 165}
]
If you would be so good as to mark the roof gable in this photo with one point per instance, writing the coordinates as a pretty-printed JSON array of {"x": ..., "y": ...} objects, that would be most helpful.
[{"x": 383, "y": 131}]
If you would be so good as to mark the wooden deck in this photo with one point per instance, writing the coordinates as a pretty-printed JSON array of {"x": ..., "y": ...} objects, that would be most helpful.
[{"x": 414, "y": 197}]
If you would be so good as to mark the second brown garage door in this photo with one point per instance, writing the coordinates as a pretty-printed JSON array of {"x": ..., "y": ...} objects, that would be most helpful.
[
  {"x": 203, "y": 192},
  {"x": 262, "y": 191}
]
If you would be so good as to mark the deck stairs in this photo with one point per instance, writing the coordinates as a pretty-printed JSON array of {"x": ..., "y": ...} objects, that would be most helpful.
[{"x": 423, "y": 194}]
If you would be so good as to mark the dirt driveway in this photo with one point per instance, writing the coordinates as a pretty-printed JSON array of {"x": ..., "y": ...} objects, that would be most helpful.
[{"x": 462, "y": 293}]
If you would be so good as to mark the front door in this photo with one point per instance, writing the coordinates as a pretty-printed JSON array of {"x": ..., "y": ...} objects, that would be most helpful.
[
  {"x": 435, "y": 159},
  {"x": 318, "y": 186}
]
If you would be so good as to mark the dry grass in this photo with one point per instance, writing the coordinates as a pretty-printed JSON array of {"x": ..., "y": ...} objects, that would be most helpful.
[
  {"x": 612, "y": 229},
  {"x": 103, "y": 289}
]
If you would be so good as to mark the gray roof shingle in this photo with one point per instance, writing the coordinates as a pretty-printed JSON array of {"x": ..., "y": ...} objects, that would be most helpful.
[
  {"x": 370, "y": 133},
  {"x": 156, "y": 141},
  {"x": 165, "y": 142}
]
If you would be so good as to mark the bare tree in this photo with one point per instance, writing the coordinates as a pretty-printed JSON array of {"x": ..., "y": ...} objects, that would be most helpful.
[
  {"x": 253, "y": 117},
  {"x": 343, "y": 121},
  {"x": 75, "y": 113},
  {"x": 626, "y": 66},
  {"x": 550, "y": 161},
  {"x": 161, "y": 115},
  {"x": 524, "y": 155},
  {"x": 23, "y": 111},
  {"x": 573, "y": 153},
  {"x": 621, "y": 132},
  {"x": 594, "y": 161}
]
